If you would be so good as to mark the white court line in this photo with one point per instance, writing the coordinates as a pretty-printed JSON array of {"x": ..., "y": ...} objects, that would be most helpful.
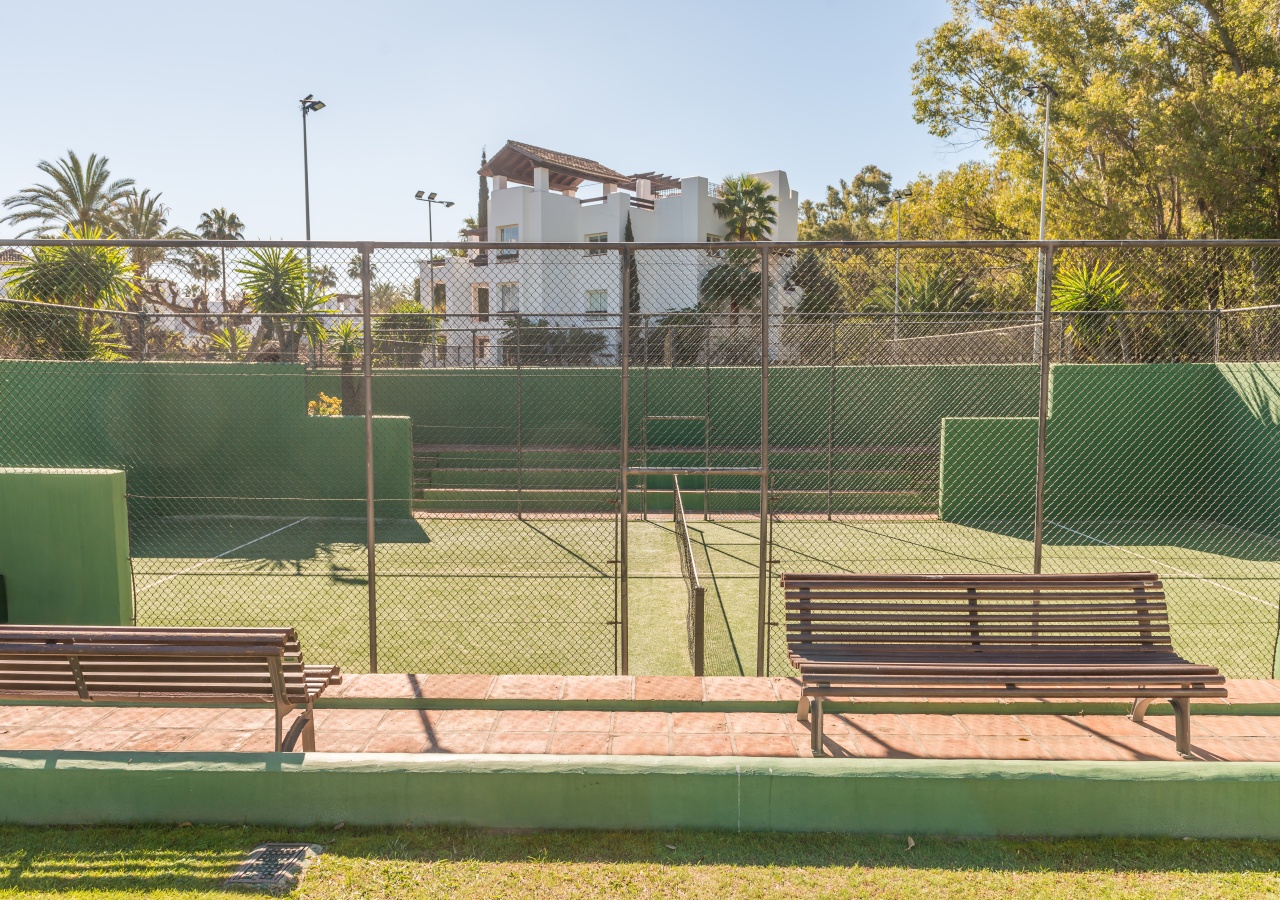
[
  {"x": 219, "y": 556},
  {"x": 1171, "y": 568}
]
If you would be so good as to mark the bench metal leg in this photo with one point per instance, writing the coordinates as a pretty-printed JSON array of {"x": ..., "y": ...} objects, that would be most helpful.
[
  {"x": 802, "y": 711},
  {"x": 280, "y": 728},
  {"x": 303, "y": 727},
  {"x": 1139, "y": 709},
  {"x": 815, "y": 730},
  {"x": 1182, "y": 717}
]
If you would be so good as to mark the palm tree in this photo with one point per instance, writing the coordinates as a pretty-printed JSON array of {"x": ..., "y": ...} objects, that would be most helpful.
[
  {"x": 95, "y": 277},
  {"x": 277, "y": 288},
  {"x": 324, "y": 277},
  {"x": 347, "y": 340},
  {"x": 83, "y": 196},
  {"x": 747, "y": 208},
  {"x": 204, "y": 267},
  {"x": 220, "y": 225}
]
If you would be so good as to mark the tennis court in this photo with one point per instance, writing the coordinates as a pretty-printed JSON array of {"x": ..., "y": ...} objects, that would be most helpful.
[{"x": 540, "y": 594}]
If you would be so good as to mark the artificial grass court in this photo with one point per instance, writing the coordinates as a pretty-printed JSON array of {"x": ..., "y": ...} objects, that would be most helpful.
[
  {"x": 190, "y": 863},
  {"x": 494, "y": 594}
]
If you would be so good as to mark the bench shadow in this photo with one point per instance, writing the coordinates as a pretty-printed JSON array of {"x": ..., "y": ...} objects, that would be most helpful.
[{"x": 1200, "y": 536}]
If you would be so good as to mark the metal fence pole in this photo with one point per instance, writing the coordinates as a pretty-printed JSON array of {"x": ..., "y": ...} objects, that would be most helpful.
[
  {"x": 762, "y": 604},
  {"x": 142, "y": 338},
  {"x": 366, "y": 250},
  {"x": 831, "y": 421},
  {"x": 1042, "y": 344},
  {"x": 624, "y": 461},
  {"x": 519, "y": 427}
]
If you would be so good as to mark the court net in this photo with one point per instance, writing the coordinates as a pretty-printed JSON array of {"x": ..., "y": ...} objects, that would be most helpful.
[{"x": 694, "y": 617}]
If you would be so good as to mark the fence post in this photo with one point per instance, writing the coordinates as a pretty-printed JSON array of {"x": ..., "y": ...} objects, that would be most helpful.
[
  {"x": 370, "y": 510},
  {"x": 831, "y": 419},
  {"x": 762, "y": 604},
  {"x": 624, "y": 461},
  {"x": 142, "y": 337},
  {"x": 519, "y": 426},
  {"x": 1046, "y": 317}
]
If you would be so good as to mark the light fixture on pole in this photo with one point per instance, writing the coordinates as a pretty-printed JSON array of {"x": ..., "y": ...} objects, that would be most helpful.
[
  {"x": 898, "y": 197},
  {"x": 431, "y": 201},
  {"x": 309, "y": 105},
  {"x": 1044, "y": 89}
]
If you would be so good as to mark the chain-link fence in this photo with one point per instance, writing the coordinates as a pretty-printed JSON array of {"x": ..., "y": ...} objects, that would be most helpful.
[{"x": 907, "y": 407}]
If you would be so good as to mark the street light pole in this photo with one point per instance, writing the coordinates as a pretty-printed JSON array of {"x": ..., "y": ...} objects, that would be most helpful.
[
  {"x": 308, "y": 105},
  {"x": 430, "y": 200},
  {"x": 898, "y": 197},
  {"x": 1049, "y": 93}
]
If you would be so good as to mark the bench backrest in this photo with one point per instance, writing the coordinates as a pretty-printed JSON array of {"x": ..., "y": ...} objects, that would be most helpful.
[
  {"x": 834, "y": 614},
  {"x": 121, "y": 663}
]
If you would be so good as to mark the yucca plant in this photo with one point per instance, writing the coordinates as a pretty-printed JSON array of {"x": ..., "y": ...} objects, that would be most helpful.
[
  {"x": 234, "y": 342},
  {"x": 276, "y": 287},
  {"x": 1093, "y": 294},
  {"x": 346, "y": 340}
]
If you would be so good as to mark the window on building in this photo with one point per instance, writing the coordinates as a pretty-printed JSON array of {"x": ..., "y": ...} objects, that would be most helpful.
[
  {"x": 481, "y": 347},
  {"x": 597, "y": 303},
  {"x": 480, "y": 302},
  {"x": 714, "y": 239},
  {"x": 599, "y": 238},
  {"x": 438, "y": 298},
  {"x": 509, "y": 297},
  {"x": 506, "y": 235}
]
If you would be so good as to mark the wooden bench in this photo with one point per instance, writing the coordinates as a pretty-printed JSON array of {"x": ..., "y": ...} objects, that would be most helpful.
[
  {"x": 1078, "y": 636},
  {"x": 166, "y": 667}
]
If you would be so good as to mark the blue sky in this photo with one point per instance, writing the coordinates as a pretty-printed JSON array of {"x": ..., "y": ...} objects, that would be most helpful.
[{"x": 199, "y": 101}]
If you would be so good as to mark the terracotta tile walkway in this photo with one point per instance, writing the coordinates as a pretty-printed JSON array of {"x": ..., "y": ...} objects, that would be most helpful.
[{"x": 924, "y": 735}]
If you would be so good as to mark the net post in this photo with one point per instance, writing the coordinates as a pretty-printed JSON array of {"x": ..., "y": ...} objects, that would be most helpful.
[
  {"x": 762, "y": 600},
  {"x": 623, "y": 441},
  {"x": 1042, "y": 345},
  {"x": 366, "y": 250}
]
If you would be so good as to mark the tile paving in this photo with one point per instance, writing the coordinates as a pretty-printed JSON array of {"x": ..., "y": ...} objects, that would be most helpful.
[{"x": 764, "y": 732}]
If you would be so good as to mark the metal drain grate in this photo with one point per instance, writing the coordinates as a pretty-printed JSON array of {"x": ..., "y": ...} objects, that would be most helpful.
[{"x": 274, "y": 866}]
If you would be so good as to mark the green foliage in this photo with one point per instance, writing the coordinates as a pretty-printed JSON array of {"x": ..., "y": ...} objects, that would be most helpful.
[
  {"x": 403, "y": 332},
  {"x": 929, "y": 288},
  {"x": 1166, "y": 120},
  {"x": 854, "y": 210},
  {"x": 746, "y": 207},
  {"x": 482, "y": 207},
  {"x": 81, "y": 196},
  {"x": 234, "y": 342},
  {"x": 820, "y": 291},
  {"x": 729, "y": 287},
  {"x": 1090, "y": 292},
  {"x": 275, "y": 285},
  {"x": 98, "y": 277},
  {"x": 539, "y": 343}
]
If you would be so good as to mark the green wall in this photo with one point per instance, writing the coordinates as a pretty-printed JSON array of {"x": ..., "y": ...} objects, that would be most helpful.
[
  {"x": 988, "y": 470},
  {"x": 1247, "y": 489},
  {"x": 201, "y": 438},
  {"x": 947, "y": 797},
  {"x": 64, "y": 547},
  {"x": 1123, "y": 443}
]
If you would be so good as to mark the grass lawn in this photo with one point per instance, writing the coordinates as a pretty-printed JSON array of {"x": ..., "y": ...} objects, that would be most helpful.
[
  {"x": 538, "y": 595},
  {"x": 191, "y": 862}
]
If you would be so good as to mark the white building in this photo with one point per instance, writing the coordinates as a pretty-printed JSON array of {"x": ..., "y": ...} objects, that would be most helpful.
[{"x": 535, "y": 198}]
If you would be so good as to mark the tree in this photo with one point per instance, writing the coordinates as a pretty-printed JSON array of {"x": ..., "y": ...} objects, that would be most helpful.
[
  {"x": 854, "y": 210},
  {"x": 87, "y": 277},
  {"x": 539, "y": 343},
  {"x": 141, "y": 216},
  {"x": 347, "y": 341},
  {"x": 482, "y": 208},
  {"x": 633, "y": 281},
  {"x": 219, "y": 225},
  {"x": 746, "y": 207},
  {"x": 1165, "y": 122},
  {"x": 277, "y": 288},
  {"x": 1091, "y": 294},
  {"x": 83, "y": 196},
  {"x": 404, "y": 331}
]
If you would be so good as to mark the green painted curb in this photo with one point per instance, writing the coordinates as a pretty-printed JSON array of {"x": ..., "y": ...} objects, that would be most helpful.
[{"x": 748, "y": 794}]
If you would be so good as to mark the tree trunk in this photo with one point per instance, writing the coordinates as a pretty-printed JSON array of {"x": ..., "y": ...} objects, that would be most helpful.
[{"x": 352, "y": 395}]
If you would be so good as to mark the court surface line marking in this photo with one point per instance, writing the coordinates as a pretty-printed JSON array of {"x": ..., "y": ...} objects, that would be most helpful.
[
  {"x": 219, "y": 556},
  {"x": 1171, "y": 568}
]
